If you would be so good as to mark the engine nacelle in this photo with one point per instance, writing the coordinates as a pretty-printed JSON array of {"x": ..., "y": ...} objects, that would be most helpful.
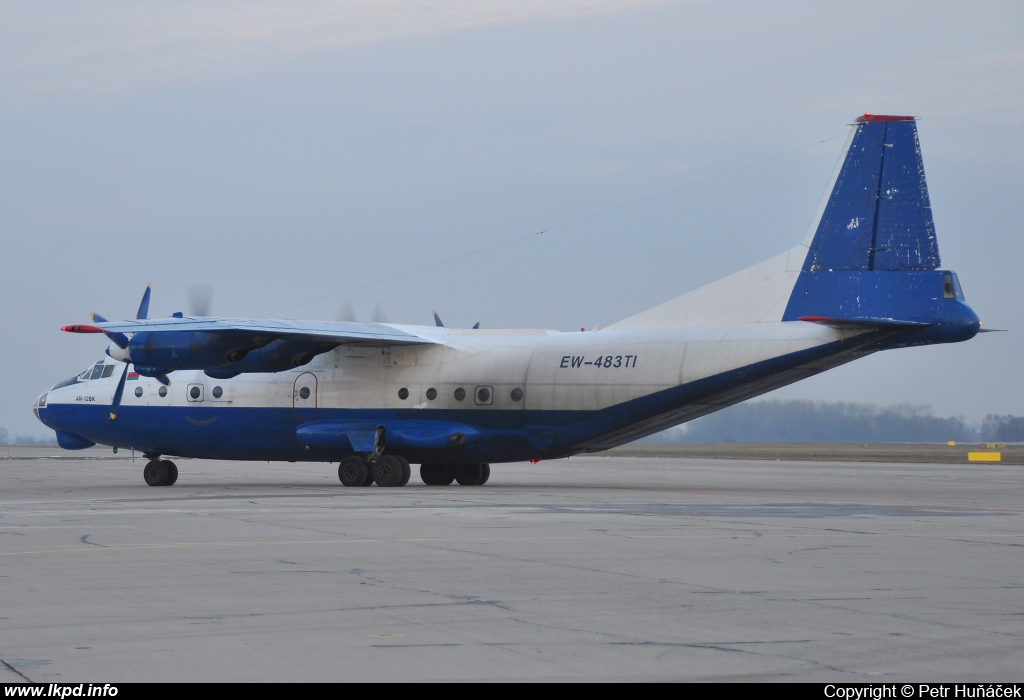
[
  {"x": 278, "y": 356},
  {"x": 172, "y": 350}
]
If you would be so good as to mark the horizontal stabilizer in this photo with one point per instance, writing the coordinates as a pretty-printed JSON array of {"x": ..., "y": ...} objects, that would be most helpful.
[{"x": 860, "y": 322}]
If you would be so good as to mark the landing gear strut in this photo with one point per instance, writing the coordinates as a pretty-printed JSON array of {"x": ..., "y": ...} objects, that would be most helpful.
[{"x": 160, "y": 472}]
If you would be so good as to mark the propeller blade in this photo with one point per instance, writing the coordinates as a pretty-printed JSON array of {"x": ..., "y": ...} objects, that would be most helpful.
[
  {"x": 437, "y": 321},
  {"x": 144, "y": 304},
  {"x": 120, "y": 339},
  {"x": 116, "y": 403},
  {"x": 476, "y": 326},
  {"x": 346, "y": 312},
  {"x": 378, "y": 314},
  {"x": 162, "y": 378},
  {"x": 200, "y": 299}
]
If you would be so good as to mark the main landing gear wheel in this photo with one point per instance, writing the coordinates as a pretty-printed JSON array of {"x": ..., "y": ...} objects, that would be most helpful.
[
  {"x": 388, "y": 471},
  {"x": 471, "y": 474},
  {"x": 406, "y": 470},
  {"x": 156, "y": 472},
  {"x": 172, "y": 472},
  {"x": 436, "y": 474},
  {"x": 353, "y": 471}
]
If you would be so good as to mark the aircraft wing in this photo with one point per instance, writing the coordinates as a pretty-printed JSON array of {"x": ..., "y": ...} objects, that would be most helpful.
[{"x": 346, "y": 332}]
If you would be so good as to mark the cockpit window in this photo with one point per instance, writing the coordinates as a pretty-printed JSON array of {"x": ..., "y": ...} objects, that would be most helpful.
[
  {"x": 95, "y": 372},
  {"x": 951, "y": 287},
  {"x": 957, "y": 292},
  {"x": 947, "y": 286},
  {"x": 66, "y": 382}
]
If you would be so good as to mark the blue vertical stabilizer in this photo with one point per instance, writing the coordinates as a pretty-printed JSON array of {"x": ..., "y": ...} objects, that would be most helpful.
[
  {"x": 878, "y": 216},
  {"x": 874, "y": 256}
]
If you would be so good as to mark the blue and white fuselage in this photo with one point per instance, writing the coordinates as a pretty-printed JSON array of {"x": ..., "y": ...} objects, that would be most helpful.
[{"x": 865, "y": 279}]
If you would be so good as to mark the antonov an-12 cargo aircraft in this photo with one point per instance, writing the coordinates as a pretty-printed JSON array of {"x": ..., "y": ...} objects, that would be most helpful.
[{"x": 374, "y": 397}]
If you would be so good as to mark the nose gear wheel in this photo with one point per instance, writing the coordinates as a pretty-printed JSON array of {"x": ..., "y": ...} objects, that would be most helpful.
[{"x": 160, "y": 472}]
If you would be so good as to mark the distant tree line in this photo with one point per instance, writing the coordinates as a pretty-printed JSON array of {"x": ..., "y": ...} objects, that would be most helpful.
[
  {"x": 6, "y": 439},
  {"x": 818, "y": 421},
  {"x": 1003, "y": 428}
]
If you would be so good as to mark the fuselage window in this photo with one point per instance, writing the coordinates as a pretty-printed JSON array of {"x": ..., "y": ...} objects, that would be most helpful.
[
  {"x": 403, "y": 393},
  {"x": 138, "y": 391},
  {"x": 162, "y": 391},
  {"x": 431, "y": 393},
  {"x": 107, "y": 370},
  {"x": 218, "y": 392},
  {"x": 460, "y": 394},
  {"x": 947, "y": 286}
]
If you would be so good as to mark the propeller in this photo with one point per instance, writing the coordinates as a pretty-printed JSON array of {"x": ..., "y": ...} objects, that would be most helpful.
[
  {"x": 347, "y": 313},
  {"x": 200, "y": 299},
  {"x": 116, "y": 403},
  {"x": 121, "y": 341}
]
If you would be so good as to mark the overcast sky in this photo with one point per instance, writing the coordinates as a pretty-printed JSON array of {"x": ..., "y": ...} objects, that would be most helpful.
[{"x": 294, "y": 155}]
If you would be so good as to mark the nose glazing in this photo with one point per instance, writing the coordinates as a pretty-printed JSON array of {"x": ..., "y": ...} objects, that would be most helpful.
[{"x": 39, "y": 404}]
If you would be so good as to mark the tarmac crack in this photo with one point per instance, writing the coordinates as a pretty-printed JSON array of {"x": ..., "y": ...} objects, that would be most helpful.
[{"x": 16, "y": 671}]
